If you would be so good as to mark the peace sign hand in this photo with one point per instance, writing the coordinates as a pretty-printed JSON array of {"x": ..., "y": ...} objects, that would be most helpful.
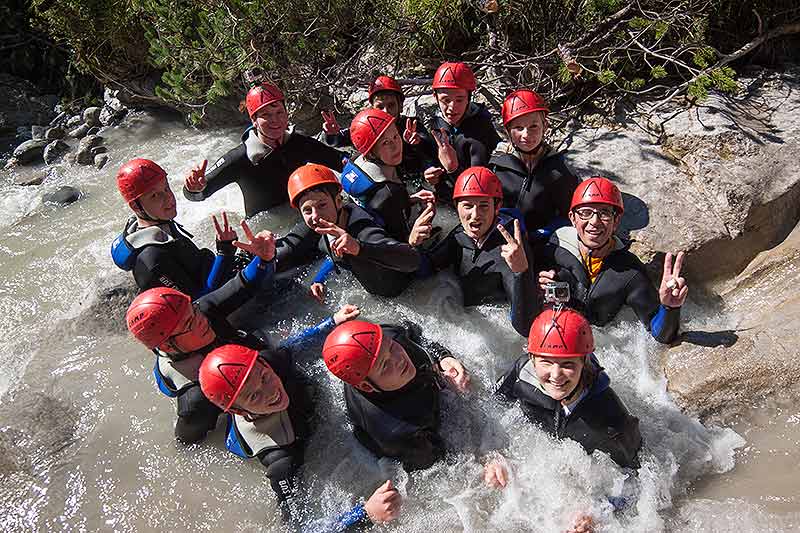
[
  {"x": 343, "y": 243},
  {"x": 329, "y": 124},
  {"x": 196, "y": 178},
  {"x": 423, "y": 226},
  {"x": 261, "y": 245},
  {"x": 410, "y": 135},
  {"x": 673, "y": 289},
  {"x": 447, "y": 154},
  {"x": 514, "y": 251},
  {"x": 224, "y": 233}
]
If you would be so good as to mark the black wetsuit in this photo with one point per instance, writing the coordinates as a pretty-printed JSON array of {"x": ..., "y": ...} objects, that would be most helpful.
[
  {"x": 384, "y": 266},
  {"x": 403, "y": 424},
  {"x": 388, "y": 200},
  {"x": 484, "y": 274},
  {"x": 599, "y": 421},
  {"x": 541, "y": 195},
  {"x": 261, "y": 173},
  {"x": 622, "y": 281},
  {"x": 473, "y": 140}
]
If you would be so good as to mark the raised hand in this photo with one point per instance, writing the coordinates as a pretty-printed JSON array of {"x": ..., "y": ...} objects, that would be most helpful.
[
  {"x": 410, "y": 135},
  {"x": 433, "y": 175},
  {"x": 447, "y": 154},
  {"x": 261, "y": 245},
  {"x": 318, "y": 292},
  {"x": 514, "y": 251},
  {"x": 224, "y": 233},
  {"x": 673, "y": 289},
  {"x": 343, "y": 242},
  {"x": 423, "y": 195},
  {"x": 347, "y": 312},
  {"x": 196, "y": 178},
  {"x": 454, "y": 372},
  {"x": 423, "y": 226},
  {"x": 384, "y": 504},
  {"x": 329, "y": 124}
]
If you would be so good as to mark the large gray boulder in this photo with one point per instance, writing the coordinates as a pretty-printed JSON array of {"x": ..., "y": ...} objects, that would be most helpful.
[
  {"x": 91, "y": 116},
  {"x": 62, "y": 196},
  {"x": 54, "y": 151},
  {"x": 84, "y": 155},
  {"x": 29, "y": 151}
]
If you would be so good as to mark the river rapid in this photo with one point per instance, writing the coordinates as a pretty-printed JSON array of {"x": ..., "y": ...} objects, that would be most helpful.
[{"x": 86, "y": 440}]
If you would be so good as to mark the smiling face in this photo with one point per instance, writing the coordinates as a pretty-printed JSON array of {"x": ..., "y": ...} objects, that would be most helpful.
[
  {"x": 527, "y": 131},
  {"x": 159, "y": 202},
  {"x": 558, "y": 375},
  {"x": 387, "y": 101},
  {"x": 263, "y": 392},
  {"x": 318, "y": 204},
  {"x": 453, "y": 104},
  {"x": 271, "y": 121},
  {"x": 597, "y": 230},
  {"x": 389, "y": 147},
  {"x": 477, "y": 215},
  {"x": 192, "y": 333},
  {"x": 393, "y": 368}
]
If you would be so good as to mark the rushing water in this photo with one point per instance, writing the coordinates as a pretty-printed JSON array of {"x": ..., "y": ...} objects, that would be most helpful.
[{"x": 86, "y": 440}]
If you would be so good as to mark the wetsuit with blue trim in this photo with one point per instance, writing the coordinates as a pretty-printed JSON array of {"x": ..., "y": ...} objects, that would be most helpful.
[
  {"x": 164, "y": 255},
  {"x": 542, "y": 195},
  {"x": 263, "y": 172},
  {"x": 473, "y": 139},
  {"x": 621, "y": 280},
  {"x": 484, "y": 275}
]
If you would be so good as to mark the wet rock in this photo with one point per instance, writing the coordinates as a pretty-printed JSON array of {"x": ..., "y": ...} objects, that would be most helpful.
[
  {"x": 24, "y": 133},
  {"x": 62, "y": 196},
  {"x": 38, "y": 132},
  {"x": 56, "y": 132},
  {"x": 99, "y": 150},
  {"x": 100, "y": 160},
  {"x": 10, "y": 163},
  {"x": 106, "y": 311},
  {"x": 94, "y": 130},
  {"x": 84, "y": 154},
  {"x": 110, "y": 117},
  {"x": 79, "y": 132},
  {"x": 54, "y": 151},
  {"x": 29, "y": 151},
  {"x": 19, "y": 105},
  {"x": 61, "y": 117},
  {"x": 69, "y": 158},
  {"x": 91, "y": 116},
  {"x": 31, "y": 181},
  {"x": 73, "y": 121}
]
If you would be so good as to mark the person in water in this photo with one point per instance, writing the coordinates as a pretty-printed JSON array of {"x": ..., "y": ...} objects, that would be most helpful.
[
  {"x": 562, "y": 389},
  {"x": 462, "y": 133},
  {"x": 271, "y": 403},
  {"x": 386, "y": 95},
  {"x": 376, "y": 182},
  {"x": 603, "y": 275},
  {"x": 488, "y": 251},
  {"x": 268, "y": 154},
  {"x": 392, "y": 377},
  {"x": 344, "y": 232},
  {"x": 536, "y": 179},
  {"x": 159, "y": 251}
]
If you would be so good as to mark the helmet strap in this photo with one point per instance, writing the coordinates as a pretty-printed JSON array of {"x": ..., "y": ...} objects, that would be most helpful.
[{"x": 142, "y": 213}]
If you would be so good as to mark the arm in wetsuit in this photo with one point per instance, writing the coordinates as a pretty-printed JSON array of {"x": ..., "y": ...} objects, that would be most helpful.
[
  {"x": 298, "y": 247},
  {"x": 520, "y": 288},
  {"x": 662, "y": 322},
  {"x": 231, "y": 296},
  {"x": 339, "y": 140},
  {"x": 377, "y": 247},
  {"x": 445, "y": 253},
  {"x": 222, "y": 173}
]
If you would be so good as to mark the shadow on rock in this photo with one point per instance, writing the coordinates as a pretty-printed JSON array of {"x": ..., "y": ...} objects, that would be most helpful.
[{"x": 709, "y": 339}]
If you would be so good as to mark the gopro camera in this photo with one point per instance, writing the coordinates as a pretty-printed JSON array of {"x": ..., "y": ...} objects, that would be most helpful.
[
  {"x": 253, "y": 77},
  {"x": 556, "y": 292}
]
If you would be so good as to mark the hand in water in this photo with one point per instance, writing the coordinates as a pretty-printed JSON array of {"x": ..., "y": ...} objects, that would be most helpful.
[
  {"x": 261, "y": 245},
  {"x": 423, "y": 226},
  {"x": 447, "y": 154},
  {"x": 514, "y": 251},
  {"x": 343, "y": 242},
  {"x": 318, "y": 292},
  {"x": 329, "y": 125},
  {"x": 196, "y": 178},
  {"x": 584, "y": 523},
  {"x": 495, "y": 473},
  {"x": 384, "y": 504},
  {"x": 433, "y": 175},
  {"x": 454, "y": 372},
  {"x": 410, "y": 135},
  {"x": 224, "y": 233},
  {"x": 673, "y": 289},
  {"x": 347, "y": 312}
]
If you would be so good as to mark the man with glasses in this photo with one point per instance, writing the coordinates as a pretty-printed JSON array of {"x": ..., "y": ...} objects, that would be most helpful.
[{"x": 602, "y": 274}]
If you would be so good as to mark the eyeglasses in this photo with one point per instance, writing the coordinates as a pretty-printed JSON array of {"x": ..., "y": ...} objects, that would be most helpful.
[{"x": 586, "y": 213}]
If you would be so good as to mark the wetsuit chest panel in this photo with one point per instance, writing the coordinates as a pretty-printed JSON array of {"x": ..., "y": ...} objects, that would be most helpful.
[
  {"x": 481, "y": 271},
  {"x": 264, "y": 433}
]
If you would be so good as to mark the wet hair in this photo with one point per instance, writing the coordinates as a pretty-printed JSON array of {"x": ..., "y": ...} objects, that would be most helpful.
[{"x": 589, "y": 372}]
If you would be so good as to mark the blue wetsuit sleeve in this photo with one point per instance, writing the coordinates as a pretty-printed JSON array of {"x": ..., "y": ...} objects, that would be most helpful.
[
  {"x": 258, "y": 270},
  {"x": 357, "y": 516},
  {"x": 665, "y": 323},
  {"x": 213, "y": 279},
  {"x": 299, "y": 341},
  {"x": 324, "y": 270}
]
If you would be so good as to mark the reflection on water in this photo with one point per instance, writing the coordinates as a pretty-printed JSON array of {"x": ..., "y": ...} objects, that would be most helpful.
[{"x": 86, "y": 440}]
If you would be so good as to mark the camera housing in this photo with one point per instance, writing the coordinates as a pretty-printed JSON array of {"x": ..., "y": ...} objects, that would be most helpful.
[{"x": 557, "y": 292}]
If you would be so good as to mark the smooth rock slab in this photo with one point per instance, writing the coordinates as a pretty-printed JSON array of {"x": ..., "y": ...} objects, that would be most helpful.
[
  {"x": 54, "y": 151},
  {"x": 29, "y": 151},
  {"x": 62, "y": 196}
]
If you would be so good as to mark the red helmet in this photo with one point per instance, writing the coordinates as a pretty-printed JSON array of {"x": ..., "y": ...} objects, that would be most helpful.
[
  {"x": 385, "y": 83},
  {"x": 153, "y": 315},
  {"x": 521, "y": 103},
  {"x": 477, "y": 181},
  {"x": 261, "y": 96},
  {"x": 137, "y": 177},
  {"x": 560, "y": 333},
  {"x": 351, "y": 349},
  {"x": 597, "y": 190},
  {"x": 309, "y": 176},
  {"x": 454, "y": 76},
  {"x": 223, "y": 374},
  {"x": 367, "y": 127}
]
